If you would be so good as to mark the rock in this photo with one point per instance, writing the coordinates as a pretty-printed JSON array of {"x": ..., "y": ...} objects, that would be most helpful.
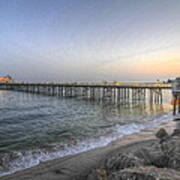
[
  {"x": 171, "y": 150},
  {"x": 174, "y": 163},
  {"x": 162, "y": 134},
  {"x": 176, "y": 132},
  {"x": 152, "y": 156},
  {"x": 92, "y": 176},
  {"x": 145, "y": 155},
  {"x": 130, "y": 176},
  {"x": 122, "y": 161},
  {"x": 145, "y": 173},
  {"x": 99, "y": 174}
]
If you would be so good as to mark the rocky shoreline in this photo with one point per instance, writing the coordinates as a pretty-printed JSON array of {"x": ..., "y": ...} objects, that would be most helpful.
[
  {"x": 157, "y": 160},
  {"x": 149, "y": 158}
]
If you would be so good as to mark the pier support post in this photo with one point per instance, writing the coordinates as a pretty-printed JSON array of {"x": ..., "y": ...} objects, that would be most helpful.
[
  {"x": 174, "y": 105},
  {"x": 178, "y": 104}
]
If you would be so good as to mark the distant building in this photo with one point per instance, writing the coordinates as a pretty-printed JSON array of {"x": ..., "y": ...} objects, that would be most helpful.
[
  {"x": 176, "y": 86},
  {"x": 176, "y": 94},
  {"x": 5, "y": 79}
]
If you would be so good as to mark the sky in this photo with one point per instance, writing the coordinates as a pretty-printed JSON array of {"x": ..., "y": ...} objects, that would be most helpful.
[{"x": 90, "y": 40}]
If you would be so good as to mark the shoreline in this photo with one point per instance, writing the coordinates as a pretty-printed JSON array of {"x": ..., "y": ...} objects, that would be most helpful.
[
  {"x": 128, "y": 130},
  {"x": 81, "y": 164}
]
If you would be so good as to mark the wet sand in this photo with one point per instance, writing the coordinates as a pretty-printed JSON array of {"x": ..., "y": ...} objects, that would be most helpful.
[{"x": 78, "y": 167}]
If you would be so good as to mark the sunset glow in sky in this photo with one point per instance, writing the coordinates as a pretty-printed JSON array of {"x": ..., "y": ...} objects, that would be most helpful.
[{"x": 90, "y": 40}]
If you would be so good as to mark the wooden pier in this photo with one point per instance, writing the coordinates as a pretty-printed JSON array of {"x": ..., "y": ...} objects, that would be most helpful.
[{"x": 120, "y": 94}]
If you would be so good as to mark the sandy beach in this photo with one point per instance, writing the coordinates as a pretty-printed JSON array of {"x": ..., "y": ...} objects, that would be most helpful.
[{"x": 108, "y": 163}]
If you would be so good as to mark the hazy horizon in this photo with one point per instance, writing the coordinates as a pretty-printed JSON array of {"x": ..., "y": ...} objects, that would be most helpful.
[{"x": 68, "y": 40}]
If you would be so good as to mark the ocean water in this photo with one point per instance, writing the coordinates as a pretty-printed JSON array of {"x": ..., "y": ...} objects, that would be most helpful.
[{"x": 36, "y": 128}]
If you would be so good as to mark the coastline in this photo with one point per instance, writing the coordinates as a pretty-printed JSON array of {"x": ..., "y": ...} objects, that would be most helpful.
[{"x": 80, "y": 165}]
